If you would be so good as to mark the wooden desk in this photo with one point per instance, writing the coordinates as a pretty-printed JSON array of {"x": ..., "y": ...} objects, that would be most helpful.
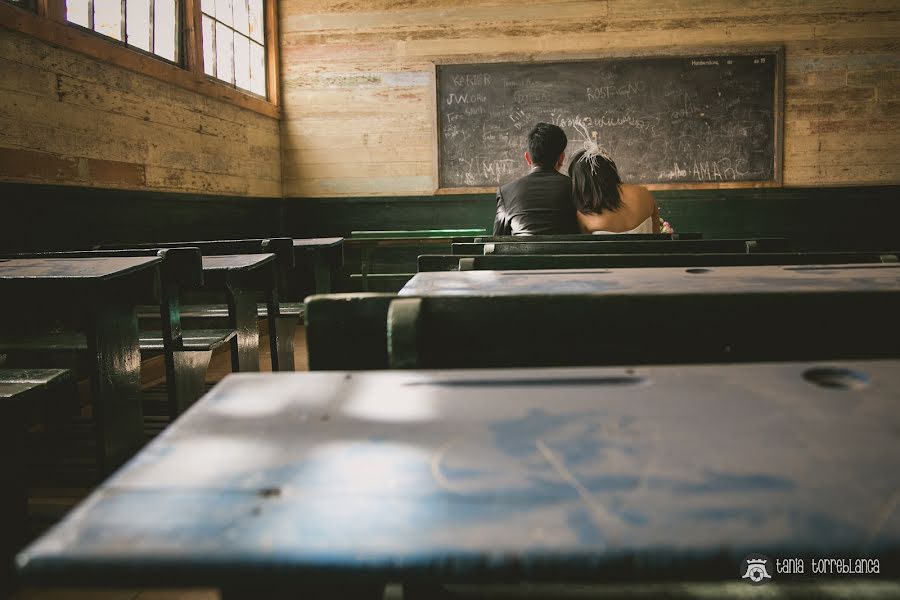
[
  {"x": 326, "y": 256},
  {"x": 636, "y": 316},
  {"x": 275, "y": 481},
  {"x": 102, "y": 293},
  {"x": 658, "y": 281},
  {"x": 243, "y": 276},
  {"x": 531, "y": 262}
]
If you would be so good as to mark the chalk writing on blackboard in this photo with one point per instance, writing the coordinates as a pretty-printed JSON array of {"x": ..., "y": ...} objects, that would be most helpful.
[{"x": 664, "y": 119}]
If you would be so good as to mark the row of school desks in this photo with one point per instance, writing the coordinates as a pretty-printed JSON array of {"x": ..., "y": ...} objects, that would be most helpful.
[
  {"x": 89, "y": 311},
  {"x": 634, "y": 427}
]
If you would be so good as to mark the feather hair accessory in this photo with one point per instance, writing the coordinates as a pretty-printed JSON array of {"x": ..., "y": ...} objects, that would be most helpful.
[{"x": 591, "y": 149}]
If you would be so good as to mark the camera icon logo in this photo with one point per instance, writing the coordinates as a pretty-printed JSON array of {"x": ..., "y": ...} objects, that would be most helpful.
[{"x": 754, "y": 569}]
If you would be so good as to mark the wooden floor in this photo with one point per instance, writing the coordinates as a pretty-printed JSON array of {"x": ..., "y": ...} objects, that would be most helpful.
[{"x": 152, "y": 375}]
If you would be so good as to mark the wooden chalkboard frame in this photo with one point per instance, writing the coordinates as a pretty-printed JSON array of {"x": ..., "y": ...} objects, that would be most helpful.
[{"x": 661, "y": 52}]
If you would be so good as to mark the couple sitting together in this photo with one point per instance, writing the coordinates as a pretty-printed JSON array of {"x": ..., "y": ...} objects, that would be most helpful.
[{"x": 592, "y": 198}]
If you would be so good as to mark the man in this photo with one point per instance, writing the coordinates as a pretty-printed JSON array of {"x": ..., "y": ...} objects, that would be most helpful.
[{"x": 540, "y": 203}]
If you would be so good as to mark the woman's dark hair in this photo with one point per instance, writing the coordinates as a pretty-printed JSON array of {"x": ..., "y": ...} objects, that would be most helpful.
[
  {"x": 595, "y": 184},
  {"x": 545, "y": 143}
]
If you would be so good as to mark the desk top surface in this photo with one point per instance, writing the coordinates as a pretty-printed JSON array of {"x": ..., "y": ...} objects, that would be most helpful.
[
  {"x": 668, "y": 280},
  {"x": 73, "y": 269},
  {"x": 317, "y": 242},
  {"x": 458, "y": 472},
  {"x": 235, "y": 262}
]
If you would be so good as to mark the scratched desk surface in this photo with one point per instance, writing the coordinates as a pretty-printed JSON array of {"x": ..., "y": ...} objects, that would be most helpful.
[
  {"x": 317, "y": 242},
  {"x": 232, "y": 262},
  {"x": 99, "y": 268},
  {"x": 462, "y": 472},
  {"x": 671, "y": 280}
]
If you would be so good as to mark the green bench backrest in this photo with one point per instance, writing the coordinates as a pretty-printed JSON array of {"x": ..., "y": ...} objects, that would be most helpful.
[{"x": 347, "y": 331}]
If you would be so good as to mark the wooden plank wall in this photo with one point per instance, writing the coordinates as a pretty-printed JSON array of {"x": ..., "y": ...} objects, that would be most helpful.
[
  {"x": 66, "y": 118},
  {"x": 356, "y": 76}
]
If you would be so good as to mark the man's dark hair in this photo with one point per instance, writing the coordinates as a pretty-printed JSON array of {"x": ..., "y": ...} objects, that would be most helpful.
[{"x": 545, "y": 143}]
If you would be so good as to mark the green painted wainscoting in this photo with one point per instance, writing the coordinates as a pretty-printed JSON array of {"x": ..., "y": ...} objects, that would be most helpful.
[
  {"x": 44, "y": 217},
  {"x": 54, "y": 217},
  {"x": 838, "y": 218},
  {"x": 815, "y": 217}
]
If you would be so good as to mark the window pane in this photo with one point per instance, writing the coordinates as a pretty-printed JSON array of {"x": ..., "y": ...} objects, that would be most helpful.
[
  {"x": 256, "y": 20},
  {"x": 138, "y": 24},
  {"x": 242, "y": 61},
  {"x": 77, "y": 12},
  {"x": 241, "y": 16},
  {"x": 164, "y": 19},
  {"x": 223, "y": 11},
  {"x": 257, "y": 69},
  {"x": 108, "y": 18},
  {"x": 209, "y": 46},
  {"x": 208, "y": 7},
  {"x": 224, "y": 53}
]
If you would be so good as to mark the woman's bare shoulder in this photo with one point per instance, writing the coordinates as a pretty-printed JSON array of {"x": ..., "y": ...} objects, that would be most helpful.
[{"x": 638, "y": 195}]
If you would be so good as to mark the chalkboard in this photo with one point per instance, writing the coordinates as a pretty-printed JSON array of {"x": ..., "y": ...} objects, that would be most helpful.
[{"x": 706, "y": 118}]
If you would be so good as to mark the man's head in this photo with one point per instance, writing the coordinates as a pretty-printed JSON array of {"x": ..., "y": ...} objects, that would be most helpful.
[{"x": 546, "y": 146}]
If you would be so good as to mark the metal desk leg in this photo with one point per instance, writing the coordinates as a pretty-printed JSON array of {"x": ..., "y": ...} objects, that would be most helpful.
[
  {"x": 115, "y": 365},
  {"x": 242, "y": 315}
]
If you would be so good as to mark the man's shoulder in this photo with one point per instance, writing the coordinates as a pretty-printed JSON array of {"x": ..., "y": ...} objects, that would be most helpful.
[{"x": 533, "y": 178}]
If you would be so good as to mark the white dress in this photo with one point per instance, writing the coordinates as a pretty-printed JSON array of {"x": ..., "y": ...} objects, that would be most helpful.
[{"x": 645, "y": 227}]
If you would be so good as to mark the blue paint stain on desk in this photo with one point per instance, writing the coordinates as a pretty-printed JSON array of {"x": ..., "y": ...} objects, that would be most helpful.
[{"x": 514, "y": 481}]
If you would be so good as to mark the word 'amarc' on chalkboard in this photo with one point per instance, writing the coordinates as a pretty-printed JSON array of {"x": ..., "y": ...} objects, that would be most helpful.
[{"x": 709, "y": 118}]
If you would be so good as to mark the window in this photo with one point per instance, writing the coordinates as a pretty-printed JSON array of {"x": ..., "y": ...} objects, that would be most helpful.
[
  {"x": 226, "y": 43},
  {"x": 234, "y": 43},
  {"x": 151, "y": 25}
]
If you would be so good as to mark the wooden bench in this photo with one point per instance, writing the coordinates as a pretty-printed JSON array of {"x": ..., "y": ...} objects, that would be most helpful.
[
  {"x": 626, "y": 247},
  {"x": 97, "y": 297},
  {"x": 186, "y": 352},
  {"x": 491, "y": 319},
  {"x": 302, "y": 267},
  {"x": 27, "y": 396},
  {"x": 493, "y": 262},
  {"x": 402, "y": 247},
  {"x": 619, "y": 478},
  {"x": 305, "y": 265}
]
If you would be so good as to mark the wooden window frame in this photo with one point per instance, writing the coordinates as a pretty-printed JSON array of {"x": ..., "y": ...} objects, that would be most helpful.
[{"x": 49, "y": 24}]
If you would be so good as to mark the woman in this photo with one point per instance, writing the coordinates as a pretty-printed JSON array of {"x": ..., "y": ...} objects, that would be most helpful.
[{"x": 603, "y": 202}]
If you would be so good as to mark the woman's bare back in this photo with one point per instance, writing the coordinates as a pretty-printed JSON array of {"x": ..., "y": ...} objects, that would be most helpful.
[{"x": 638, "y": 205}]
